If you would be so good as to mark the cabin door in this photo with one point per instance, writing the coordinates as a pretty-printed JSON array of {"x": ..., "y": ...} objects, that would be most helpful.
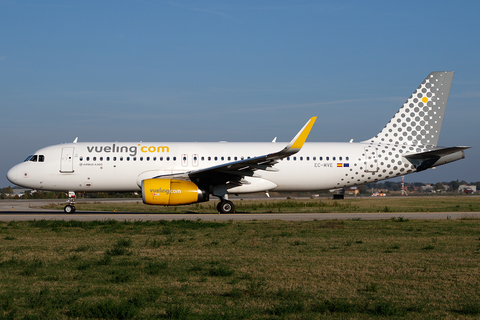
[{"x": 66, "y": 163}]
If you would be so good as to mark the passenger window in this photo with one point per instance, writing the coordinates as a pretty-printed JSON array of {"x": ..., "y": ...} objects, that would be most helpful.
[
  {"x": 141, "y": 158},
  {"x": 168, "y": 159},
  {"x": 108, "y": 158},
  {"x": 174, "y": 158},
  {"x": 114, "y": 158},
  {"x": 94, "y": 158},
  {"x": 161, "y": 158},
  {"x": 229, "y": 158},
  {"x": 320, "y": 158},
  {"x": 121, "y": 158},
  {"x": 81, "y": 158},
  {"x": 203, "y": 158},
  {"x": 346, "y": 158},
  {"x": 88, "y": 159},
  {"x": 327, "y": 158},
  {"x": 41, "y": 158},
  {"x": 294, "y": 158},
  {"x": 148, "y": 158},
  {"x": 308, "y": 158},
  {"x": 333, "y": 158},
  {"x": 235, "y": 158},
  {"x": 288, "y": 158},
  {"x": 340, "y": 158},
  {"x": 128, "y": 158},
  {"x": 216, "y": 158},
  {"x": 301, "y": 158},
  {"x": 314, "y": 158},
  {"x": 222, "y": 158},
  {"x": 154, "y": 159},
  {"x": 101, "y": 158}
]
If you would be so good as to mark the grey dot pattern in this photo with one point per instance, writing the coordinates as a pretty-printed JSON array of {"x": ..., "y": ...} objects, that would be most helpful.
[
  {"x": 415, "y": 128},
  {"x": 389, "y": 163},
  {"x": 419, "y": 120}
]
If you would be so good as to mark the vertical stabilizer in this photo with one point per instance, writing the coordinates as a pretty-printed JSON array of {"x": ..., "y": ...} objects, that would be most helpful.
[{"x": 419, "y": 120}]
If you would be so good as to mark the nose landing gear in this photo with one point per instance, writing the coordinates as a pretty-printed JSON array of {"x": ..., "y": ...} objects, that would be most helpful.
[{"x": 70, "y": 207}]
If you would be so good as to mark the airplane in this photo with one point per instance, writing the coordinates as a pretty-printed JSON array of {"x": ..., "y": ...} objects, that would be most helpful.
[{"x": 172, "y": 174}]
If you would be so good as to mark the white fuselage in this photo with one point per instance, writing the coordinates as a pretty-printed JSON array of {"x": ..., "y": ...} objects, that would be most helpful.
[{"x": 121, "y": 166}]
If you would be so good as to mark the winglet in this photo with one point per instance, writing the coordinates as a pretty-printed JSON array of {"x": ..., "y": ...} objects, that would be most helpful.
[{"x": 297, "y": 142}]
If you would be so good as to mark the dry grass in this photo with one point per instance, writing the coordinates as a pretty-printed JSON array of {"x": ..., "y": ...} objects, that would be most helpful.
[{"x": 253, "y": 270}]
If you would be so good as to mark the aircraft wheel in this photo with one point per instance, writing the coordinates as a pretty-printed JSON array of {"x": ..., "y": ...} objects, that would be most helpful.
[
  {"x": 69, "y": 209},
  {"x": 226, "y": 207}
]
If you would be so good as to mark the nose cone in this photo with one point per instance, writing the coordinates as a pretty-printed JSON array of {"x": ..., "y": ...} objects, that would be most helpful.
[{"x": 13, "y": 175}]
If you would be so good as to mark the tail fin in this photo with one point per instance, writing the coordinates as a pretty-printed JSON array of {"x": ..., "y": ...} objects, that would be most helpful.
[{"x": 419, "y": 120}]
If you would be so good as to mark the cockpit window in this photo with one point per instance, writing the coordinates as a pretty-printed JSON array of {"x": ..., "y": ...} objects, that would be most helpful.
[{"x": 35, "y": 158}]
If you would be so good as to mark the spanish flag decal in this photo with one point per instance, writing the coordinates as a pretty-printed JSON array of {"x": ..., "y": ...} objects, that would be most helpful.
[{"x": 339, "y": 165}]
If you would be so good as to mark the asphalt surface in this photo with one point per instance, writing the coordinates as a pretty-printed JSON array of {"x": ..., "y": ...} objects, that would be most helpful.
[{"x": 24, "y": 210}]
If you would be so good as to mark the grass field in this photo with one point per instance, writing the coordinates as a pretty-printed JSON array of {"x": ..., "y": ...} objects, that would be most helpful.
[
  {"x": 394, "y": 268},
  {"x": 350, "y": 205}
]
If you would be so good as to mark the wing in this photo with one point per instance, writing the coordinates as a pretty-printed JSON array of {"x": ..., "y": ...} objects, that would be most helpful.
[{"x": 233, "y": 172}]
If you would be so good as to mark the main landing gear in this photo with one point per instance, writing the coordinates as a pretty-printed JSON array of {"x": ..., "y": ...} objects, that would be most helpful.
[
  {"x": 225, "y": 206},
  {"x": 70, "y": 207}
]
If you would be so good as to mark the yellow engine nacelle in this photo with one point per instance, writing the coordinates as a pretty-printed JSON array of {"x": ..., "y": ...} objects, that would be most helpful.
[{"x": 170, "y": 192}]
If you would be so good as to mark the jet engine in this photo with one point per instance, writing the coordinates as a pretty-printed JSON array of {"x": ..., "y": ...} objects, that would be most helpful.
[{"x": 169, "y": 192}]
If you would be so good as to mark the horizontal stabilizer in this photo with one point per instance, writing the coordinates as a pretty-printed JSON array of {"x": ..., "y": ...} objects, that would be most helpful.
[
  {"x": 433, "y": 158},
  {"x": 435, "y": 153}
]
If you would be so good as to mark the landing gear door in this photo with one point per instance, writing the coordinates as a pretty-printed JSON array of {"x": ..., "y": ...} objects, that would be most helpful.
[
  {"x": 371, "y": 164},
  {"x": 66, "y": 163}
]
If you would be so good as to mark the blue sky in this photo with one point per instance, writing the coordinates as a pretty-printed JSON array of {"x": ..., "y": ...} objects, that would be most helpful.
[{"x": 231, "y": 70}]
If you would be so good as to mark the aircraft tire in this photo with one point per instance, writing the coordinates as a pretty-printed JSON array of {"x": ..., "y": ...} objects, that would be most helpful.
[
  {"x": 69, "y": 209},
  {"x": 226, "y": 207}
]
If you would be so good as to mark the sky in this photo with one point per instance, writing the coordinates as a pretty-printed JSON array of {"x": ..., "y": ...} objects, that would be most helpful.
[{"x": 231, "y": 70}]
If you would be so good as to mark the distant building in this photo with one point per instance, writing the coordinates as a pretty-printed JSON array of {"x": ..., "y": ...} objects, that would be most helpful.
[
  {"x": 467, "y": 189},
  {"x": 352, "y": 190},
  {"x": 428, "y": 188},
  {"x": 20, "y": 192}
]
